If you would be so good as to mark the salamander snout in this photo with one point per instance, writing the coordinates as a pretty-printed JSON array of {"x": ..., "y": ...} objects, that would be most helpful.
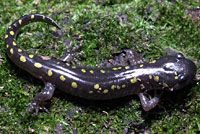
[{"x": 186, "y": 72}]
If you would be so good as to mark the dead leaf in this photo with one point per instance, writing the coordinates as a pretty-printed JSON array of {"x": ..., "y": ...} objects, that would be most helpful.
[
  {"x": 1, "y": 59},
  {"x": 45, "y": 57},
  {"x": 37, "y": 1}
]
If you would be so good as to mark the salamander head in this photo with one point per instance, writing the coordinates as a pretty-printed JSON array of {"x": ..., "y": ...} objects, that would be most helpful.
[{"x": 184, "y": 71}]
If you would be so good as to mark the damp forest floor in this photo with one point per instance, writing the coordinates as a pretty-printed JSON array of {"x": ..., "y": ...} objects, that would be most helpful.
[{"x": 104, "y": 28}]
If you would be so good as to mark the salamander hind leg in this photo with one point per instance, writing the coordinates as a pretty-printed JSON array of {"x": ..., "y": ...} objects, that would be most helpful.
[
  {"x": 40, "y": 99},
  {"x": 70, "y": 54},
  {"x": 149, "y": 104}
]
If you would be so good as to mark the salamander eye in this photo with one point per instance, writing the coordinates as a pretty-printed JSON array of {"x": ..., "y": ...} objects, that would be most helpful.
[
  {"x": 180, "y": 55},
  {"x": 182, "y": 79}
]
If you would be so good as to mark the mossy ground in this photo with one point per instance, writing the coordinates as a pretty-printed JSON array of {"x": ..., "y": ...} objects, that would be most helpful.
[{"x": 104, "y": 28}]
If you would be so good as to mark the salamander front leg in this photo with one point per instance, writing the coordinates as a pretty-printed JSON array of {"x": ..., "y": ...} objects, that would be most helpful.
[
  {"x": 39, "y": 99},
  {"x": 134, "y": 58},
  {"x": 149, "y": 104}
]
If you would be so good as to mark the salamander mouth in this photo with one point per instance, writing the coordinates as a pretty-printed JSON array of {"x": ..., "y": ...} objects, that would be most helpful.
[{"x": 177, "y": 87}]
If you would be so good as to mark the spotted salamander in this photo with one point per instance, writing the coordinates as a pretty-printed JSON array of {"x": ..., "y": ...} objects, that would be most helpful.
[{"x": 101, "y": 83}]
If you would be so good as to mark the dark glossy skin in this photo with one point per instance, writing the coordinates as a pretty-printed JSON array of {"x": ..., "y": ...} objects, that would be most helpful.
[{"x": 167, "y": 73}]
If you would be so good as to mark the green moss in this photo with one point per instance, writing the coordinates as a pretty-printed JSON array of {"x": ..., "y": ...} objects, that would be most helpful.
[{"x": 104, "y": 28}]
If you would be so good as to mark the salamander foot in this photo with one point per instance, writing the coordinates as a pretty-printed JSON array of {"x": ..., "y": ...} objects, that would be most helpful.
[
  {"x": 40, "y": 99},
  {"x": 35, "y": 106},
  {"x": 149, "y": 104}
]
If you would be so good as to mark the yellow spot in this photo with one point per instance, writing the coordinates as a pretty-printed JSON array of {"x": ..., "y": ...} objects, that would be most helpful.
[
  {"x": 73, "y": 66},
  {"x": 113, "y": 87},
  {"x": 156, "y": 78},
  {"x": 91, "y": 71},
  {"x": 105, "y": 91},
  {"x": 7, "y": 46},
  {"x": 102, "y": 71},
  {"x": 31, "y": 56},
  {"x": 96, "y": 86},
  {"x": 90, "y": 92},
  {"x": 38, "y": 65},
  {"x": 58, "y": 63},
  {"x": 119, "y": 68},
  {"x": 20, "y": 22},
  {"x": 123, "y": 86},
  {"x": 141, "y": 65},
  {"x": 19, "y": 50},
  {"x": 32, "y": 16},
  {"x": 114, "y": 68},
  {"x": 67, "y": 64},
  {"x": 153, "y": 61},
  {"x": 83, "y": 70},
  {"x": 23, "y": 59},
  {"x": 175, "y": 73},
  {"x": 6, "y": 36},
  {"x": 74, "y": 85},
  {"x": 62, "y": 78},
  {"x": 165, "y": 85},
  {"x": 133, "y": 80},
  {"x": 9, "y": 27},
  {"x": 14, "y": 44},
  {"x": 150, "y": 77},
  {"x": 118, "y": 87},
  {"x": 43, "y": 17},
  {"x": 12, "y": 33},
  {"x": 176, "y": 77},
  {"x": 50, "y": 73},
  {"x": 126, "y": 67},
  {"x": 11, "y": 51}
]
